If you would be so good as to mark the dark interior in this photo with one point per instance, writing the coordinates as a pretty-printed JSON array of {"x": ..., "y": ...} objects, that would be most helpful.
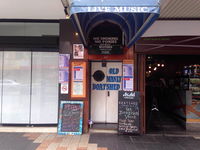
[{"x": 163, "y": 74}]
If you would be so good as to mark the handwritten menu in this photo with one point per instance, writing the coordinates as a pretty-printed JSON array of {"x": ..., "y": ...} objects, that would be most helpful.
[
  {"x": 70, "y": 117},
  {"x": 128, "y": 112}
]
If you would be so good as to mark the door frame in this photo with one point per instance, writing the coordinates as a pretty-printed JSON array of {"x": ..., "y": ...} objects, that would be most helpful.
[{"x": 90, "y": 70}]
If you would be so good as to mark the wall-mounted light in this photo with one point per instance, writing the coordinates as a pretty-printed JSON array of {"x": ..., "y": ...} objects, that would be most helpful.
[
  {"x": 76, "y": 33},
  {"x": 155, "y": 68},
  {"x": 162, "y": 65},
  {"x": 158, "y": 65},
  {"x": 67, "y": 17}
]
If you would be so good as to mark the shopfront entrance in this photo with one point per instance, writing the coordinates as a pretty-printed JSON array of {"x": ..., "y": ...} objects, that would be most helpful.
[{"x": 106, "y": 79}]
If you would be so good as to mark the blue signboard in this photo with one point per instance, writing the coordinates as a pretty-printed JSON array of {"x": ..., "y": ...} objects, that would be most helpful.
[
  {"x": 139, "y": 6},
  {"x": 133, "y": 16},
  {"x": 70, "y": 118}
]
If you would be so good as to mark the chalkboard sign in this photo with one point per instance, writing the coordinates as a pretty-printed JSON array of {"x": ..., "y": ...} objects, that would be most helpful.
[
  {"x": 128, "y": 112},
  {"x": 70, "y": 118}
]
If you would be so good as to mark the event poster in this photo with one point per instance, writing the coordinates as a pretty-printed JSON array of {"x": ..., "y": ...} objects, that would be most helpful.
[
  {"x": 78, "y": 51},
  {"x": 128, "y": 75},
  {"x": 64, "y": 72}
]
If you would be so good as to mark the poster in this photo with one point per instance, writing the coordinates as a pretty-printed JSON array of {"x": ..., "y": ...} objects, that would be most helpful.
[
  {"x": 78, "y": 73},
  {"x": 78, "y": 88},
  {"x": 64, "y": 61},
  {"x": 63, "y": 75},
  {"x": 128, "y": 75},
  {"x": 78, "y": 51},
  {"x": 64, "y": 72}
]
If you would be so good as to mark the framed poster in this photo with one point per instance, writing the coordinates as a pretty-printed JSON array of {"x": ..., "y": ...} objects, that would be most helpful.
[
  {"x": 128, "y": 75},
  {"x": 78, "y": 79},
  {"x": 64, "y": 72},
  {"x": 78, "y": 51},
  {"x": 70, "y": 118}
]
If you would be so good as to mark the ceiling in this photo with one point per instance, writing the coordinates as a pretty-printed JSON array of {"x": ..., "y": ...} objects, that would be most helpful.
[
  {"x": 53, "y": 9},
  {"x": 31, "y": 9},
  {"x": 180, "y": 9}
]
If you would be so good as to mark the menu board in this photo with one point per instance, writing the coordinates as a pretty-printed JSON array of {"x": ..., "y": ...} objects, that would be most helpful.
[
  {"x": 129, "y": 112},
  {"x": 70, "y": 118}
]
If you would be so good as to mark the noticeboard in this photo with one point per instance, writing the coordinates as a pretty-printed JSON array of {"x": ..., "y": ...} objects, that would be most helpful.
[
  {"x": 70, "y": 118},
  {"x": 129, "y": 112},
  {"x": 78, "y": 79}
]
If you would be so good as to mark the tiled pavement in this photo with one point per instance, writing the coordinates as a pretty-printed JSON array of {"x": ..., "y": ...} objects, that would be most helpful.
[
  {"x": 145, "y": 142},
  {"x": 62, "y": 142},
  {"x": 96, "y": 141}
]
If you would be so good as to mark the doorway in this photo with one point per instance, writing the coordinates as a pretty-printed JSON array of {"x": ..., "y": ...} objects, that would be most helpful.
[
  {"x": 172, "y": 92},
  {"x": 106, "y": 80}
]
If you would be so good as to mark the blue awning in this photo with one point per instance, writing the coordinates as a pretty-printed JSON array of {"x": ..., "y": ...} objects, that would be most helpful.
[{"x": 133, "y": 16}]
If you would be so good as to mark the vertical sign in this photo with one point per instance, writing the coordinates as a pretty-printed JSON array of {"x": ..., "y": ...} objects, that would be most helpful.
[
  {"x": 64, "y": 72},
  {"x": 128, "y": 75},
  {"x": 70, "y": 118},
  {"x": 129, "y": 112},
  {"x": 78, "y": 86}
]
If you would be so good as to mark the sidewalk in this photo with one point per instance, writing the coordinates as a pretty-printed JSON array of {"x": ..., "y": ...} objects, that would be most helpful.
[{"x": 96, "y": 141}]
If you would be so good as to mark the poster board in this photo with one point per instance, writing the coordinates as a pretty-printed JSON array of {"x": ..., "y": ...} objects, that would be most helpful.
[
  {"x": 64, "y": 73},
  {"x": 129, "y": 112},
  {"x": 128, "y": 75},
  {"x": 78, "y": 79},
  {"x": 70, "y": 118}
]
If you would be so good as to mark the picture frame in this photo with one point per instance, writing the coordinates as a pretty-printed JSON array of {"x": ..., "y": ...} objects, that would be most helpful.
[{"x": 78, "y": 51}]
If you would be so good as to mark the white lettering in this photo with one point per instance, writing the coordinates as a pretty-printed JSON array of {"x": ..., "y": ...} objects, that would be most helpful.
[
  {"x": 131, "y": 94},
  {"x": 118, "y": 9}
]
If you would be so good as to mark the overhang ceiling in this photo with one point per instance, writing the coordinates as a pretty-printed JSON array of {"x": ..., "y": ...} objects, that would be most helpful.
[
  {"x": 31, "y": 9},
  {"x": 180, "y": 9},
  {"x": 53, "y": 9}
]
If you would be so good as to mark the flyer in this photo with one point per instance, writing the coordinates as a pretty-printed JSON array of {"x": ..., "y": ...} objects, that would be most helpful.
[
  {"x": 78, "y": 73},
  {"x": 78, "y": 88},
  {"x": 64, "y": 61}
]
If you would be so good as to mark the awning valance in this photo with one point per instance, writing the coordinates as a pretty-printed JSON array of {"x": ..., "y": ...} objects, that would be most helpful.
[{"x": 133, "y": 16}]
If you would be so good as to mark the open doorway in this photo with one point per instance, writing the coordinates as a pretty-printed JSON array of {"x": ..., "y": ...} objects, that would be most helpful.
[{"x": 172, "y": 92}]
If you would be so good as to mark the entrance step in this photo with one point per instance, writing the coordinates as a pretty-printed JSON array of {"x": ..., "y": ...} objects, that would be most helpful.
[{"x": 103, "y": 131}]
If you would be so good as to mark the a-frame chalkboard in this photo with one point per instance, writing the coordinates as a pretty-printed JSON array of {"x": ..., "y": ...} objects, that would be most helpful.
[
  {"x": 70, "y": 117},
  {"x": 129, "y": 112}
]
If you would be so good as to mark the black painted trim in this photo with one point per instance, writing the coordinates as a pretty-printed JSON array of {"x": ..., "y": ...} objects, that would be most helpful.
[{"x": 21, "y": 43}]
